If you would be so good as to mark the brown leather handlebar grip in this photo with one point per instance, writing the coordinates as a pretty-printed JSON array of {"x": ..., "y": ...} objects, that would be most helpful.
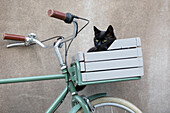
[
  {"x": 13, "y": 37},
  {"x": 56, "y": 14}
]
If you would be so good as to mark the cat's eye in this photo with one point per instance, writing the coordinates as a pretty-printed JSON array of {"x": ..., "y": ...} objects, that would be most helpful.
[
  {"x": 97, "y": 40},
  {"x": 104, "y": 41}
]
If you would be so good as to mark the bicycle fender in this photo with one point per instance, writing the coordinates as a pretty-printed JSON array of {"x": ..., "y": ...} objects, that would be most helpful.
[
  {"x": 92, "y": 97},
  {"x": 95, "y": 96}
]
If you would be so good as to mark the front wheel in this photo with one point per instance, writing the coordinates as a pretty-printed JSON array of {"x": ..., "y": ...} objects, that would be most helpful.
[{"x": 112, "y": 105}]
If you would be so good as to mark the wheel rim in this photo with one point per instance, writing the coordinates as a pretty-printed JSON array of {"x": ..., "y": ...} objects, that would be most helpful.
[{"x": 115, "y": 108}]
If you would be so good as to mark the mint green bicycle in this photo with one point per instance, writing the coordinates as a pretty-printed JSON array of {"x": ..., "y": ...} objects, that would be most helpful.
[{"x": 80, "y": 104}]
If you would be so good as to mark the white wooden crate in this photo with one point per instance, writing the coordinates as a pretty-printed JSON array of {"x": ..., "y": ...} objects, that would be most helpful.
[{"x": 122, "y": 60}]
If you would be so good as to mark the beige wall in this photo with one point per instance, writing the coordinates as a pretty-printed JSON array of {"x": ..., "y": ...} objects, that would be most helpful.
[{"x": 148, "y": 19}]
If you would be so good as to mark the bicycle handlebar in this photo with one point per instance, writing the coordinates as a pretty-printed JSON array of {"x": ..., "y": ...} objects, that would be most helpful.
[
  {"x": 14, "y": 37},
  {"x": 31, "y": 39},
  {"x": 56, "y": 14},
  {"x": 66, "y": 17}
]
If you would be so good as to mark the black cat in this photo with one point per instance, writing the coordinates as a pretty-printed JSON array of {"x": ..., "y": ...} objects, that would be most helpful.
[{"x": 102, "y": 41}]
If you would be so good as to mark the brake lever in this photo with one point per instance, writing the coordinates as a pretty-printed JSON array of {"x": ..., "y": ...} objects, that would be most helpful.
[{"x": 16, "y": 44}]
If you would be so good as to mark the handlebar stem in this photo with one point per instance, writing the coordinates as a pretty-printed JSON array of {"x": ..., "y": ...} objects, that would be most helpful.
[
  {"x": 61, "y": 41},
  {"x": 56, "y": 46}
]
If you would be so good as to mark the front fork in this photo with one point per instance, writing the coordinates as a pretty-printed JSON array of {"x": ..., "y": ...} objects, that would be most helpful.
[{"x": 74, "y": 93}]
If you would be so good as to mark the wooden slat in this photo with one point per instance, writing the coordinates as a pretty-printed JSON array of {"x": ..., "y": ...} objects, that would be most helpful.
[
  {"x": 82, "y": 66},
  {"x": 112, "y": 64},
  {"x": 116, "y": 54},
  {"x": 125, "y": 43},
  {"x": 112, "y": 74}
]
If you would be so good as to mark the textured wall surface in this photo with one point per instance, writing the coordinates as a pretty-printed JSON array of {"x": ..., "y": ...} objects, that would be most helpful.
[{"x": 148, "y": 19}]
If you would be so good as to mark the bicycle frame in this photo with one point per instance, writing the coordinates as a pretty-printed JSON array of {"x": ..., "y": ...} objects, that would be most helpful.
[{"x": 30, "y": 79}]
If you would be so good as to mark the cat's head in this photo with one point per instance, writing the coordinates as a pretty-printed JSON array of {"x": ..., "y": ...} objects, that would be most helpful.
[{"x": 103, "y": 39}]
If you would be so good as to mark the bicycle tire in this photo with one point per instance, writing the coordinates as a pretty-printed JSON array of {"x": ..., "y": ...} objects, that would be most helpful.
[{"x": 121, "y": 104}]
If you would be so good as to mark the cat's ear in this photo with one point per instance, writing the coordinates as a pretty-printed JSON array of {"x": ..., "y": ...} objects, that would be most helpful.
[
  {"x": 96, "y": 31},
  {"x": 109, "y": 31}
]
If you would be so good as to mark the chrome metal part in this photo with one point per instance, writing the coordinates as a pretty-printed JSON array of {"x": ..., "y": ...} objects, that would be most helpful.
[
  {"x": 38, "y": 42},
  {"x": 58, "y": 53},
  {"x": 64, "y": 67},
  {"x": 92, "y": 108},
  {"x": 16, "y": 44},
  {"x": 32, "y": 39},
  {"x": 28, "y": 41},
  {"x": 32, "y": 35},
  {"x": 74, "y": 93}
]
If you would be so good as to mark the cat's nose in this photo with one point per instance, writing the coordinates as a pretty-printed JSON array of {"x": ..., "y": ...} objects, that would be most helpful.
[{"x": 99, "y": 43}]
